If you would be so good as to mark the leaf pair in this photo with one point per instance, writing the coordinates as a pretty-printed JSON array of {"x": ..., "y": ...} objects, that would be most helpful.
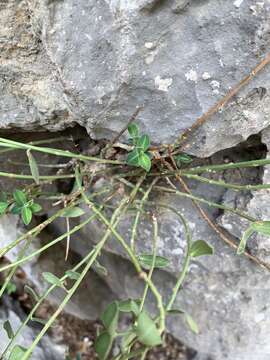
[
  {"x": 139, "y": 156},
  {"x": 24, "y": 206},
  {"x": 261, "y": 227},
  {"x": 144, "y": 329}
]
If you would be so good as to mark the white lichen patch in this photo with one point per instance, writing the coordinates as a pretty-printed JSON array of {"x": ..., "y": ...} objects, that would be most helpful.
[
  {"x": 151, "y": 57},
  {"x": 215, "y": 84},
  {"x": 149, "y": 45},
  {"x": 206, "y": 76},
  {"x": 163, "y": 84},
  {"x": 238, "y": 3},
  {"x": 192, "y": 75}
]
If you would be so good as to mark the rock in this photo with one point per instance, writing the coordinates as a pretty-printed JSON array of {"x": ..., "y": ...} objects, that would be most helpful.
[
  {"x": 256, "y": 206},
  {"x": 46, "y": 350},
  {"x": 93, "y": 63},
  {"x": 113, "y": 69},
  {"x": 52, "y": 261}
]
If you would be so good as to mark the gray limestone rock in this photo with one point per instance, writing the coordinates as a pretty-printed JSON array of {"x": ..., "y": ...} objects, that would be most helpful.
[{"x": 94, "y": 62}]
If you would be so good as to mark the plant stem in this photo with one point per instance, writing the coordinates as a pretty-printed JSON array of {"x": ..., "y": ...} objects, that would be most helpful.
[
  {"x": 204, "y": 201},
  {"x": 98, "y": 249},
  {"x": 155, "y": 225},
  {"x": 221, "y": 167},
  {"x": 227, "y": 185},
  {"x": 137, "y": 217},
  {"x": 47, "y": 246},
  {"x": 186, "y": 261},
  {"x": 10, "y": 143},
  {"x": 126, "y": 247}
]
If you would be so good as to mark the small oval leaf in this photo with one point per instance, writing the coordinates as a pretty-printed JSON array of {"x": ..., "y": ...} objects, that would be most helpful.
[
  {"x": 35, "y": 208},
  {"x": 73, "y": 212},
  {"x": 31, "y": 292},
  {"x": 262, "y": 227},
  {"x": 103, "y": 345},
  {"x": 33, "y": 166},
  {"x": 8, "y": 328},
  {"x": 145, "y": 162},
  {"x": 147, "y": 331},
  {"x": 183, "y": 158},
  {"x": 110, "y": 318},
  {"x": 200, "y": 247},
  {"x": 3, "y": 207},
  {"x": 100, "y": 269},
  {"x": 133, "y": 158},
  {"x": 52, "y": 279},
  {"x": 17, "y": 353},
  {"x": 26, "y": 215},
  {"x": 144, "y": 142},
  {"x": 19, "y": 197},
  {"x": 73, "y": 275},
  {"x": 129, "y": 306},
  {"x": 242, "y": 245},
  {"x": 133, "y": 130},
  {"x": 147, "y": 260},
  {"x": 192, "y": 324}
]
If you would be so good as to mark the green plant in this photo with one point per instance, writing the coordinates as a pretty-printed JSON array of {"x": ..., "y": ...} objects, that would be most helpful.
[
  {"x": 23, "y": 206},
  {"x": 139, "y": 156},
  {"x": 128, "y": 192}
]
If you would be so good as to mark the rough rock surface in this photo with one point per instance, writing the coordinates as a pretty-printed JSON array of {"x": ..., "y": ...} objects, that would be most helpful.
[
  {"x": 94, "y": 62},
  {"x": 46, "y": 350}
]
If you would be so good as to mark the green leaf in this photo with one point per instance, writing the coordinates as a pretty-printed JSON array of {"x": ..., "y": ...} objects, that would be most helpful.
[
  {"x": 33, "y": 166},
  {"x": 16, "y": 210},
  {"x": 192, "y": 324},
  {"x": 262, "y": 227},
  {"x": 26, "y": 215},
  {"x": 200, "y": 247},
  {"x": 147, "y": 331},
  {"x": 175, "y": 312},
  {"x": 17, "y": 353},
  {"x": 73, "y": 212},
  {"x": 110, "y": 318},
  {"x": 3, "y": 207},
  {"x": 145, "y": 162},
  {"x": 40, "y": 321},
  {"x": 242, "y": 245},
  {"x": 183, "y": 158},
  {"x": 11, "y": 288},
  {"x": 126, "y": 340},
  {"x": 31, "y": 292},
  {"x": 103, "y": 345},
  {"x": 133, "y": 158},
  {"x": 133, "y": 130},
  {"x": 52, "y": 279},
  {"x": 7, "y": 327},
  {"x": 101, "y": 270},
  {"x": 144, "y": 142},
  {"x": 73, "y": 275},
  {"x": 129, "y": 306},
  {"x": 19, "y": 197},
  {"x": 147, "y": 260},
  {"x": 35, "y": 208}
]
